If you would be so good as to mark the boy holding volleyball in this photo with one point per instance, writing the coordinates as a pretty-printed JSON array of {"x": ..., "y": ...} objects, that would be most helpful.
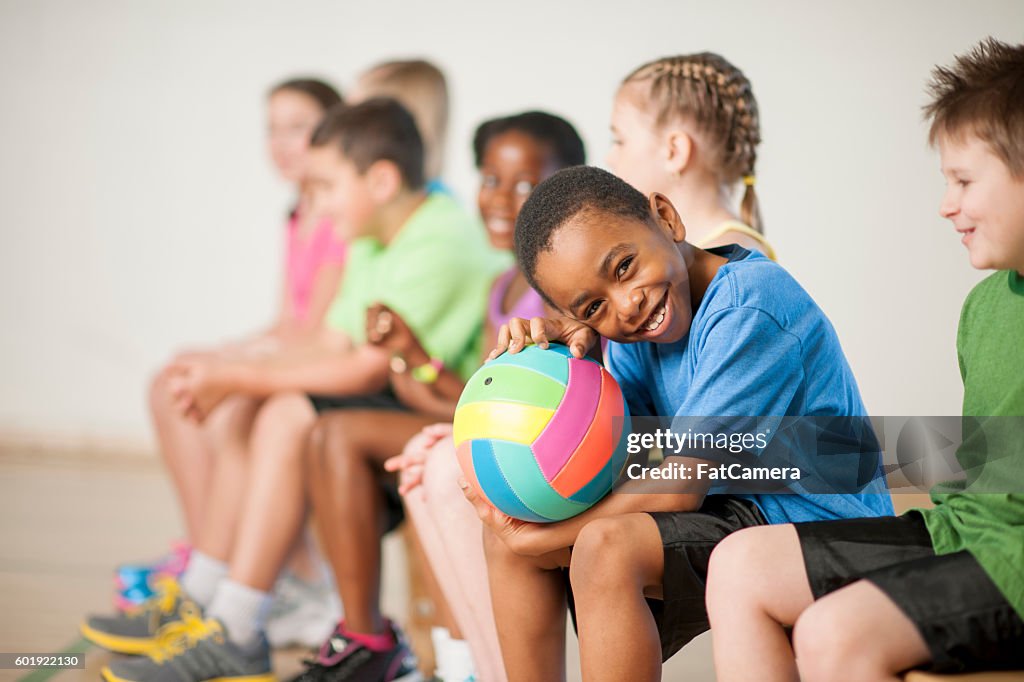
[{"x": 692, "y": 333}]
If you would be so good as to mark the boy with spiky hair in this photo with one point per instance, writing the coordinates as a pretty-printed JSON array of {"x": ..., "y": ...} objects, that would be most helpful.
[{"x": 939, "y": 588}]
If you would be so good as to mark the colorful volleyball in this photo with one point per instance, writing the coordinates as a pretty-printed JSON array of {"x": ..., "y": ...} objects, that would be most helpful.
[{"x": 541, "y": 434}]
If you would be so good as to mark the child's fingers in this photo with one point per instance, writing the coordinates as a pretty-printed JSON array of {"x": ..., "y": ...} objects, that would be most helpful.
[
  {"x": 412, "y": 477},
  {"x": 441, "y": 429},
  {"x": 394, "y": 463},
  {"x": 519, "y": 330},
  {"x": 580, "y": 342},
  {"x": 504, "y": 335},
  {"x": 538, "y": 332}
]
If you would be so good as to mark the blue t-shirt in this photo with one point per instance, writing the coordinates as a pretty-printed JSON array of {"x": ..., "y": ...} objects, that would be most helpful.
[{"x": 758, "y": 346}]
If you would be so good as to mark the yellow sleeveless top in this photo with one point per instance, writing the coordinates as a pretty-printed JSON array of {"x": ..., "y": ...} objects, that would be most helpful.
[{"x": 737, "y": 226}]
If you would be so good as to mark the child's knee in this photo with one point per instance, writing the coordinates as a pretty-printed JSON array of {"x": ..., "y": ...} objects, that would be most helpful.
[
  {"x": 159, "y": 392},
  {"x": 729, "y": 567},
  {"x": 284, "y": 416},
  {"x": 602, "y": 557},
  {"x": 824, "y": 648},
  {"x": 441, "y": 474},
  {"x": 328, "y": 453}
]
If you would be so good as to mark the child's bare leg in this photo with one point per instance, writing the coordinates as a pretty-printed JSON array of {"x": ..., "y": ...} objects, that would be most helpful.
[
  {"x": 616, "y": 563},
  {"x": 749, "y": 605},
  {"x": 226, "y": 431},
  {"x": 344, "y": 463},
  {"x": 185, "y": 452},
  {"x": 856, "y": 633},
  {"x": 274, "y": 506},
  {"x": 450, "y": 533},
  {"x": 529, "y": 611}
]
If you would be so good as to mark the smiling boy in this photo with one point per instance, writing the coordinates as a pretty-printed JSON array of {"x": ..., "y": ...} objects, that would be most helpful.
[
  {"x": 941, "y": 588},
  {"x": 721, "y": 332}
]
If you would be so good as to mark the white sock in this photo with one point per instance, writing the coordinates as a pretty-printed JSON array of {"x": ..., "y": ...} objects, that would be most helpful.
[
  {"x": 454, "y": 663},
  {"x": 242, "y": 610},
  {"x": 201, "y": 577}
]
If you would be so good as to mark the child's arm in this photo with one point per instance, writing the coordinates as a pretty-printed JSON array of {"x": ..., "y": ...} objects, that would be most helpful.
[
  {"x": 386, "y": 328},
  {"x": 536, "y": 539},
  {"x": 330, "y": 366}
]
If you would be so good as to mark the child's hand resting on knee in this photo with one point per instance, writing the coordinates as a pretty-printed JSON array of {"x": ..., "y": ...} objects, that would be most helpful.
[
  {"x": 198, "y": 386},
  {"x": 517, "y": 333},
  {"x": 410, "y": 463}
]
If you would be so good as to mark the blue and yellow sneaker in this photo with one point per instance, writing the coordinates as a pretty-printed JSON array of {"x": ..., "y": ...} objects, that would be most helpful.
[
  {"x": 135, "y": 630},
  {"x": 133, "y": 582}
]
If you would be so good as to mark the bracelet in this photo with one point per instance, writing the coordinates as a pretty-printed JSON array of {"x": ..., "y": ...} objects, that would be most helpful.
[
  {"x": 398, "y": 364},
  {"x": 429, "y": 372}
]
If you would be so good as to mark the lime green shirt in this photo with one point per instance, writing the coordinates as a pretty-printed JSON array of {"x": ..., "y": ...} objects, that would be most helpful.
[
  {"x": 435, "y": 273},
  {"x": 984, "y": 513}
]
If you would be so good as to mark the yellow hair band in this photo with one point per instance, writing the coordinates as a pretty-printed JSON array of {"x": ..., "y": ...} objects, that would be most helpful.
[{"x": 748, "y": 180}]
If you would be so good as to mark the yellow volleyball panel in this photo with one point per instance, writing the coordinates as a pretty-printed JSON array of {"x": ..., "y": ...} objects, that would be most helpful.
[{"x": 513, "y": 422}]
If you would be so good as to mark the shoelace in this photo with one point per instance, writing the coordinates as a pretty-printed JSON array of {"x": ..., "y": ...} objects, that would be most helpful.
[{"x": 177, "y": 637}]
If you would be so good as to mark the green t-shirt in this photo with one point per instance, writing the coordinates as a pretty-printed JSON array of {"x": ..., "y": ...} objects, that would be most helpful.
[
  {"x": 984, "y": 513},
  {"x": 435, "y": 273}
]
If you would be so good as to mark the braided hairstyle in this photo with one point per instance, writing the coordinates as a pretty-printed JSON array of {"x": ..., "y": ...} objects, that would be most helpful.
[{"x": 717, "y": 97}]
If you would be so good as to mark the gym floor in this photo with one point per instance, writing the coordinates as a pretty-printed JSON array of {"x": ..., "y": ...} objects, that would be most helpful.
[{"x": 67, "y": 519}]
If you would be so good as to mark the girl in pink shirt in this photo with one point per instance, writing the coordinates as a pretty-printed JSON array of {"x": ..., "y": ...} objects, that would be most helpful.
[{"x": 313, "y": 267}]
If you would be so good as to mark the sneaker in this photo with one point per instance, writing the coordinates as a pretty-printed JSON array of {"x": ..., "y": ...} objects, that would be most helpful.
[
  {"x": 194, "y": 650},
  {"x": 134, "y": 631},
  {"x": 342, "y": 659},
  {"x": 133, "y": 582},
  {"x": 302, "y": 613},
  {"x": 454, "y": 662}
]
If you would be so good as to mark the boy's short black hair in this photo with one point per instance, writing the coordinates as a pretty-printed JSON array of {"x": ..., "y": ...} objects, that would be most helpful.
[
  {"x": 565, "y": 145},
  {"x": 563, "y": 196},
  {"x": 375, "y": 130}
]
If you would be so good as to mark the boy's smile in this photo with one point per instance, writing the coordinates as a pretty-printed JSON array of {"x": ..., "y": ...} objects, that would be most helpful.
[{"x": 625, "y": 279}]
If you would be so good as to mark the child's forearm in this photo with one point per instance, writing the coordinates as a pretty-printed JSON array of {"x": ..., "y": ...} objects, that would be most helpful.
[
  {"x": 422, "y": 397},
  {"x": 357, "y": 372}
]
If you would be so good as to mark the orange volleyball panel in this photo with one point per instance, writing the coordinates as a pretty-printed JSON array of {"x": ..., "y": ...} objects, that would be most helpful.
[{"x": 464, "y": 453}]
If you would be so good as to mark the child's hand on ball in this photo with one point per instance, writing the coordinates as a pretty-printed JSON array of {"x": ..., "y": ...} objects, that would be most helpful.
[
  {"x": 517, "y": 333},
  {"x": 522, "y": 537}
]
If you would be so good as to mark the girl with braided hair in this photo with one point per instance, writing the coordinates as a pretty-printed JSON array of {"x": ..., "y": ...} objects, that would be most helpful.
[{"x": 688, "y": 127}]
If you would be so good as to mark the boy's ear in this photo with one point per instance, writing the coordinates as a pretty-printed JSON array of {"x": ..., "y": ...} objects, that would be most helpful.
[
  {"x": 384, "y": 181},
  {"x": 679, "y": 151},
  {"x": 667, "y": 218}
]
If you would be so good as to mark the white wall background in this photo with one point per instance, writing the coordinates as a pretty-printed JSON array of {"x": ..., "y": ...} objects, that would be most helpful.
[{"x": 139, "y": 213}]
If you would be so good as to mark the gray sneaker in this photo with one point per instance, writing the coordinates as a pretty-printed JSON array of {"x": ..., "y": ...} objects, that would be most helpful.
[
  {"x": 134, "y": 631},
  {"x": 194, "y": 650}
]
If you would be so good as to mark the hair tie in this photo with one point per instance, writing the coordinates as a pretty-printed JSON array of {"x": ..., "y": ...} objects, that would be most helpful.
[{"x": 748, "y": 180}]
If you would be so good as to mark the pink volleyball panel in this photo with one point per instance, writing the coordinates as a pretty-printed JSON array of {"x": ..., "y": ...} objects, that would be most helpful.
[
  {"x": 596, "y": 448},
  {"x": 571, "y": 420}
]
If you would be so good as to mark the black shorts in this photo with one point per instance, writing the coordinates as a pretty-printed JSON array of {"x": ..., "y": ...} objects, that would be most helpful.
[
  {"x": 688, "y": 539},
  {"x": 385, "y": 400},
  {"x": 962, "y": 616}
]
